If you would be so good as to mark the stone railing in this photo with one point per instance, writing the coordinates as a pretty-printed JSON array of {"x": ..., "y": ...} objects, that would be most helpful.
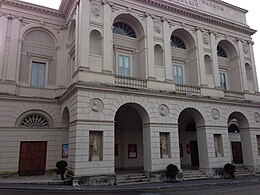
[
  {"x": 188, "y": 90},
  {"x": 234, "y": 94},
  {"x": 130, "y": 82}
]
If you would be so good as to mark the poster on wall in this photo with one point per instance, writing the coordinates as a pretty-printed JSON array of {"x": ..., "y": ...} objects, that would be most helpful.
[
  {"x": 65, "y": 151},
  {"x": 132, "y": 150},
  {"x": 181, "y": 150}
]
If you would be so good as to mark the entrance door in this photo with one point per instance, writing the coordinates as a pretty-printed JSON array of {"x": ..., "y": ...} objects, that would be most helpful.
[
  {"x": 237, "y": 152},
  {"x": 194, "y": 154},
  {"x": 32, "y": 158}
]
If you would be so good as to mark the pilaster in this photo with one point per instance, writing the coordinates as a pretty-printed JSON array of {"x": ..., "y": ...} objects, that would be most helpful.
[
  {"x": 82, "y": 30},
  {"x": 241, "y": 65},
  {"x": 251, "y": 50},
  {"x": 13, "y": 49},
  {"x": 214, "y": 59},
  {"x": 107, "y": 39},
  {"x": 3, "y": 29},
  {"x": 201, "y": 63},
  {"x": 167, "y": 51},
  {"x": 150, "y": 48}
]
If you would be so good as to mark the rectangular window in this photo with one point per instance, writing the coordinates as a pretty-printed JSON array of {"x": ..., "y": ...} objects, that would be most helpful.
[
  {"x": 178, "y": 74},
  {"x": 38, "y": 74},
  {"x": 223, "y": 82},
  {"x": 124, "y": 65}
]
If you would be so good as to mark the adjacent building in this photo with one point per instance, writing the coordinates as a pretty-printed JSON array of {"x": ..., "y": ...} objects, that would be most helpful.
[{"x": 112, "y": 85}]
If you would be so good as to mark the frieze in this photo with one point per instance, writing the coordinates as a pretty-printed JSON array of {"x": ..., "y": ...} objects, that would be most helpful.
[
  {"x": 212, "y": 5},
  {"x": 257, "y": 117},
  {"x": 215, "y": 113},
  {"x": 96, "y": 9},
  {"x": 157, "y": 25}
]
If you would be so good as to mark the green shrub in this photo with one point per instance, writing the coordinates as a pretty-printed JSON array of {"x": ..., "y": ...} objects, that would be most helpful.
[
  {"x": 171, "y": 172},
  {"x": 230, "y": 170},
  {"x": 61, "y": 164}
]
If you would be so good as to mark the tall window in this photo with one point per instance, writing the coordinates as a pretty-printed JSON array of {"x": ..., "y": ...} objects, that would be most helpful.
[
  {"x": 223, "y": 82},
  {"x": 38, "y": 74},
  {"x": 124, "y": 65},
  {"x": 178, "y": 74}
]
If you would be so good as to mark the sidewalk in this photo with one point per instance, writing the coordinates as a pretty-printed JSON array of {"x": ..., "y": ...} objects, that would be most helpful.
[{"x": 52, "y": 182}]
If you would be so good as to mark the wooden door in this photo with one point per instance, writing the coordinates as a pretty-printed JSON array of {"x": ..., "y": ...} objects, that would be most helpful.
[
  {"x": 194, "y": 154},
  {"x": 32, "y": 158},
  {"x": 237, "y": 152}
]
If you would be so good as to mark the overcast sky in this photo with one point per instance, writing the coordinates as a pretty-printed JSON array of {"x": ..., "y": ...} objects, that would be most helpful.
[{"x": 252, "y": 16}]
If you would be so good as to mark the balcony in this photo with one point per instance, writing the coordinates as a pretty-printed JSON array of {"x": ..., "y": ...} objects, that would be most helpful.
[
  {"x": 188, "y": 89},
  {"x": 130, "y": 82},
  {"x": 234, "y": 94}
]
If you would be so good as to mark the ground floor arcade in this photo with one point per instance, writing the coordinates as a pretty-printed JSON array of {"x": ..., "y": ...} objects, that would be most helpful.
[{"x": 103, "y": 133}]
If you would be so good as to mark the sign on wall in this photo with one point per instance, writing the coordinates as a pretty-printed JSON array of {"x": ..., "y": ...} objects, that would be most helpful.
[{"x": 132, "y": 150}]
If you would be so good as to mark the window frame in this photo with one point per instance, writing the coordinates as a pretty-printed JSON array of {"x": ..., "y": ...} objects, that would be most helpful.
[
  {"x": 41, "y": 60},
  {"x": 124, "y": 52},
  {"x": 183, "y": 73},
  {"x": 224, "y": 72}
]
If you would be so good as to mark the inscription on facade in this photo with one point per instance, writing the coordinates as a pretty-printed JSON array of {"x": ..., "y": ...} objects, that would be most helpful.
[
  {"x": 212, "y": 5},
  {"x": 193, "y": 3}
]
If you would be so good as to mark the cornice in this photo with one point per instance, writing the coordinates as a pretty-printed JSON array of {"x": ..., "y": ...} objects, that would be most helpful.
[
  {"x": 201, "y": 16},
  {"x": 66, "y": 6},
  {"x": 32, "y": 7}
]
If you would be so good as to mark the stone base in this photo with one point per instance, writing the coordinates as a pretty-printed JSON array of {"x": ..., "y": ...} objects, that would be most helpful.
[
  {"x": 95, "y": 158},
  {"x": 94, "y": 180},
  {"x": 165, "y": 156}
]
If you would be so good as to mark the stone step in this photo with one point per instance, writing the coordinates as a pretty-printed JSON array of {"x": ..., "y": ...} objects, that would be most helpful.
[
  {"x": 193, "y": 174},
  {"x": 134, "y": 178}
]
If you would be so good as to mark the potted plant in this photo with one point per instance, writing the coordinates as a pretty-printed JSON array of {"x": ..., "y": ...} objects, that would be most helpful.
[
  {"x": 61, "y": 168},
  {"x": 171, "y": 172},
  {"x": 230, "y": 170}
]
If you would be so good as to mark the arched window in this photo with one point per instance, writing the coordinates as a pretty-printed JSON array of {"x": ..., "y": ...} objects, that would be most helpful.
[
  {"x": 221, "y": 52},
  {"x": 249, "y": 74},
  {"x": 158, "y": 55},
  {"x": 95, "y": 43},
  {"x": 177, "y": 42},
  {"x": 123, "y": 29},
  {"x": 34, "y": 120},
  {"x": 208, "y": 64}
]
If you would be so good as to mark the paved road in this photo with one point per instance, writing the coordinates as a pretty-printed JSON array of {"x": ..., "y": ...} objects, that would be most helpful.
[{"x": 252, "y": 189}]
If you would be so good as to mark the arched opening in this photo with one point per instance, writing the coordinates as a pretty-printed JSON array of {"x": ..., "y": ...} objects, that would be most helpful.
[
  {"x": 71, "y": 57},
  {"x": 237, "y": 123},
  {"x": 129, "y": 138},
  {"x": 189, "y": 121},
  {"x": 95, "y": 42},
  {"x": 185, "y": 68},
  {"x": 129, "y": 47},
  {"x": 229, "y": 72},
  {"x": 209, "y": 71},
  {"x": 71, "y": 35},
  {"x": 38, "y": 58},
  {"x": 65, "y": 133},
  {"x": 159, "y": 62},
  {"x": 249, "y": 77}
]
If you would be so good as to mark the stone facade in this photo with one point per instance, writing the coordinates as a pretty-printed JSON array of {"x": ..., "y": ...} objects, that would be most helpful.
[{"x": 111, "y": 79}]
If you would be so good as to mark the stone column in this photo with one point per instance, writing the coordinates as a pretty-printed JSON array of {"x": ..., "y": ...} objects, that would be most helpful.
[
  {"x": 13, "y": 48},
  {"x": 3, "y": 24},
  {"x": 214, "y": 59},
  {"x": 147, "y": 147},
  {"x": 167, "y": 51},
  {"x": 241, "y": 65},
  {"x": 149, "y": 61},
  {"x": 200, "y": 61},
  {"x": 251, "y": 50},
  {"x": 82, "y": 34},
  {"x": 203, "y": 148},
  {"x": 107, "y": 39}
]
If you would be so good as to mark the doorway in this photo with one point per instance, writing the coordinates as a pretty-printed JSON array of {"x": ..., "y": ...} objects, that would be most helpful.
[
  {"x": 194, "y": 154},
  {"x": 32, "y": 159},
  {"x": 237, "y": 152}
]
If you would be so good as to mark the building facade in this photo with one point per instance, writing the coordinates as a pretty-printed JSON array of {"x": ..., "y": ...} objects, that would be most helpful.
[{"x": 118, "y": 85}]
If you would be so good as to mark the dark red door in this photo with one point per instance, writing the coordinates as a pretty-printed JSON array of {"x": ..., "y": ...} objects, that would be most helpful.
[
  {"x": 32, "y": 158},
  {"x": 194, "y": 154},
  {"x": 237, "y": 152}
]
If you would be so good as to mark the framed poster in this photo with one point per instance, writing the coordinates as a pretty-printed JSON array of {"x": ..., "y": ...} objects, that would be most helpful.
[
  {"x": 132, "y": 150},
  {"x": 65, "y": 151}
]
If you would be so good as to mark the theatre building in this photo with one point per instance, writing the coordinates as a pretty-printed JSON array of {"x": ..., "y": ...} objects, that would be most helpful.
[{"x": 121, "y": 86}]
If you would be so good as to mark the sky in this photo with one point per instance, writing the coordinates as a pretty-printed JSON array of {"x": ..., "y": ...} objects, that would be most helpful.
[{"x": 252, "y": 16}]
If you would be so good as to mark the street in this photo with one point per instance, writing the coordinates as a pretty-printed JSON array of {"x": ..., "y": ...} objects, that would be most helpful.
[{"x": 252, "y": 189}]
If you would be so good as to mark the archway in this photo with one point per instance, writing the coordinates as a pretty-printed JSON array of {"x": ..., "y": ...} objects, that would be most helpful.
[
  {"x": 65, "y": 133},
  {"x": 237, "y": 123},
  {"x": 129, "y": 137},
  {"x": 190, "y": 149}
]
